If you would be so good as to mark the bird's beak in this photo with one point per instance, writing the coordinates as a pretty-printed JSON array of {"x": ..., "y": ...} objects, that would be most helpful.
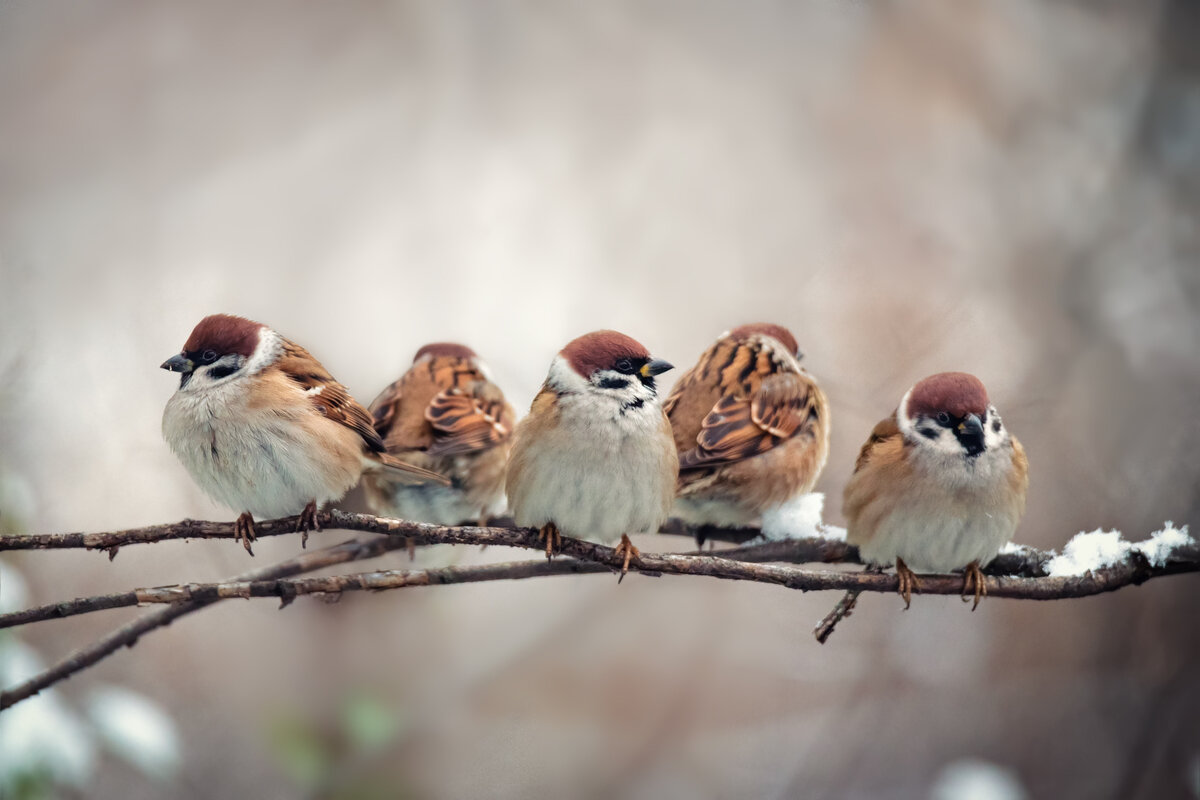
[
  {"x": 655, "y": 367},
  {"x": 178, "y": 363},
  {"x": 970, "y": 433}
]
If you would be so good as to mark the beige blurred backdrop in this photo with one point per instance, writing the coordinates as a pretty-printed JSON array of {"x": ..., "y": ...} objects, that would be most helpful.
[{"x": 1008, "y": 188}]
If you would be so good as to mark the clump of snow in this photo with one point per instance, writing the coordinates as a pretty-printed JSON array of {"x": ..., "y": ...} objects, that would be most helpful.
[
  {"x": 833, "y": 533},
  {"x": 1010, "y": 548},
  {"x": 1098, "y": 549},
  {"x": 1087, "y": 552},
  {"x": 976, "y": 779},
  {"x": 799, "y": 518},
  {"x": 1162, "y": 543}
]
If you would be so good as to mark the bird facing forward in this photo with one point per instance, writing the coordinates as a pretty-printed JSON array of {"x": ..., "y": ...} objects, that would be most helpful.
[
  {"x": 939, "y": 485},
  {"x": 595, "y": 458},
  {"x": 444, "y": 414},
  {"x": 264, "y": 429},
  {"x": 751, "y": 426}
]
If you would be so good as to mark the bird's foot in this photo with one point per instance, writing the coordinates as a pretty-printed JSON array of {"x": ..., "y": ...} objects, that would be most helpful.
[
  {"x": 625, "y": 548},
  {"x": 908, "y": 582},
  {"x": 974, "y": 575},
  {"x": 550, "y": 533},
  {"x": 243, "y": 530},
  {"x": 307, "y": 522}
]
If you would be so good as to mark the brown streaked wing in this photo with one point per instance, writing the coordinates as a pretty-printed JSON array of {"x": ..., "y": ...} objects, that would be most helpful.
[
  {"x": 741, "y": 427},
  {"x": 329, "y": 396},
  {"x": 383, "y": 408},
  {"x": 465, "y": 423},
  {"x": 884, "y": 430}
]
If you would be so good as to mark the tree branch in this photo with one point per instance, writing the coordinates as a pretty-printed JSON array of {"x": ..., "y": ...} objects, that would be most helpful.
[
  {"x": 127, "y": 635},
  {"x": 803, "y": 550},
  {"x": 1019, "y": 574},
  {"x": 734, "y": 564}
]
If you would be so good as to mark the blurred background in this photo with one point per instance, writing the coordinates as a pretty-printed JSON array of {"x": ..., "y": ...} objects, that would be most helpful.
[{"x": 1008, "y": 188}]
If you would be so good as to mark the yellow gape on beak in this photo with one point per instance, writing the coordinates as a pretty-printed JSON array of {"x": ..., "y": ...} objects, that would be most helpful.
[{"x": 655, "y": 367}]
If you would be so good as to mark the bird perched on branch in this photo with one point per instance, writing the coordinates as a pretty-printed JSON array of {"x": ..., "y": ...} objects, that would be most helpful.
[
  {"x": 446, "y": 415},
  {"x": 595, "y": 458},
  {"x": 751, "y": 426},
  {"x": 264, "y": 429},
  {"x": 939, "y": 485}
]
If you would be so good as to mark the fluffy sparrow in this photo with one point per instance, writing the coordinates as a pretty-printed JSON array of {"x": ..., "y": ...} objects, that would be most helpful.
[
  {"x": 751, "y": 426},
  {"x": 444, "y": 414},
  {"x": 595, "y": 458},
  {"x": 264, "y": 429},
  {"x": 940, "y": 485}
]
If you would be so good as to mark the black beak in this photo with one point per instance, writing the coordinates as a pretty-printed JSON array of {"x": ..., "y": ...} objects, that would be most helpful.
[
  {"x": 178, "y": 363},
  {"x": 970, "y": 435},
  {"x": 656, "y": 367}
]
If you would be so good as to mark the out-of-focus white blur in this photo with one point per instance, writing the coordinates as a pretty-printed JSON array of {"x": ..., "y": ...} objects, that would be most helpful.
[{"x": 1009, "y": 189}]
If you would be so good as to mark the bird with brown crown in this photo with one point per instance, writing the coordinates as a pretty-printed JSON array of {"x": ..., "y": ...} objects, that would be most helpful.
[
  {"x": 594, "y": 458},
  {"x": 264, "y": 429},
  {"x": 444, "y": 414},
  {"x": 939, "y": 485},
  {"x": 751, "y": 426}
]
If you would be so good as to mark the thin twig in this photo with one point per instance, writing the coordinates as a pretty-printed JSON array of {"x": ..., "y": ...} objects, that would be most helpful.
[
  {"x": 838, "y": 613},
  {"x": 803, "y": 550},
  {"x": 587, "y": 557},
  {"x": 127, "y": 635},
  {"x": 203, "y": 529},
  {"x": 592, "y": 558}
]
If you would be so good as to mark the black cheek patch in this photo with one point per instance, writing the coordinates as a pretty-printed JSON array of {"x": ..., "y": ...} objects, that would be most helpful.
[
  {"x": 929, "y": 433},
  {"x": 613, "y": 383},
  {"x": 216, "y": 373},
  {"x": 995, "y": 426}
]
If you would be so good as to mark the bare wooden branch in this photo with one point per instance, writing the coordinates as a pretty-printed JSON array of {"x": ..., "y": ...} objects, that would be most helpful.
[
  {"x": 592, "y": 558},
  {"x": 1014, "y": 575},
  {"x": 127, "y": 635},
  {"x": 802, "y": 550}
]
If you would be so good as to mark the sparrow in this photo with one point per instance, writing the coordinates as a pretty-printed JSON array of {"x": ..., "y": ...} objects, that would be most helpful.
[
  {"x": 939, "y": 485},
  {"x": 751, "y": 427},
  {"x": 446, "y": 415},
  {"x": 264, "y": 429},
  {"x": 595, "y": 458}
]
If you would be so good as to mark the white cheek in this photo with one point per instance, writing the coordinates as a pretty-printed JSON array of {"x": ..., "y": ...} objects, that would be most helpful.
[
  {"x": 631, "y": 391},
  {"x": 565, "y": 380},
  {"x": 947, "y": 443},
  {"x": 991, "y": 436}
]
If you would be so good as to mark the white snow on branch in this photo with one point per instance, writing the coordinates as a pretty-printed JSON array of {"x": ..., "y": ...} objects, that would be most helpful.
[
  {"x": 1158, "y": 548},
  {"x": 1019, "y": 549},
  {"x": 799, "y": 518},
  {"x": 1087, "y": 552}
]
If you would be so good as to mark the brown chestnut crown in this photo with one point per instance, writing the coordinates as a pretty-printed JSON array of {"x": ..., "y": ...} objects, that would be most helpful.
[
  {"x": 956, "y": 393},
  {"x": 224, "y": 334},
  {"x": 601, "y": 350}
]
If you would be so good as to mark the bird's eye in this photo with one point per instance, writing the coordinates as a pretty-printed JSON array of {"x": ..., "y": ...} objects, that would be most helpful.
[
  {"x": 209, "y": 356},
  {"x": 943, "y": 418},
  {"x": 624, "y": 365}
]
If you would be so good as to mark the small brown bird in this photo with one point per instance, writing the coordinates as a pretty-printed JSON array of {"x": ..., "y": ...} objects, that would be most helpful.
[
  {"x": 446, "y": 415},
  {"x": 594, "y": 458},
  {"x": 939, "y": 486},
  {"x": 751, "y": 426},
  {"x": 264, "y": 428}
]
